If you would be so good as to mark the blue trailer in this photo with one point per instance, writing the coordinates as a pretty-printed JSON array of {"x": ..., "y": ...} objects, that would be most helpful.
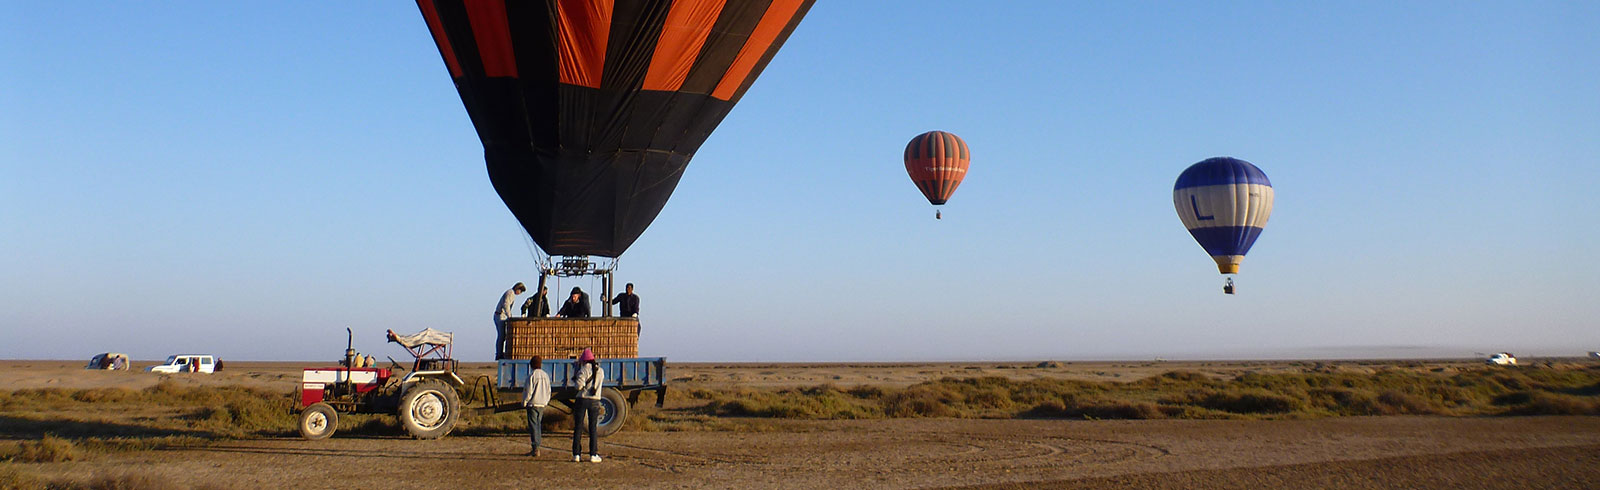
[{"x": 625, "y": 379}]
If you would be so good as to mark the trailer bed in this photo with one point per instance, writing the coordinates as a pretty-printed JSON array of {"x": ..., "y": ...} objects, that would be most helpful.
[{"x": 630, "y": 374}]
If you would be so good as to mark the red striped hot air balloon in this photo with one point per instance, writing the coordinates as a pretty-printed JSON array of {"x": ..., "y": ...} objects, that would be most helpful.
[
  {"x": 589, "y": 110},
  {"x": 937, "y": 161}
]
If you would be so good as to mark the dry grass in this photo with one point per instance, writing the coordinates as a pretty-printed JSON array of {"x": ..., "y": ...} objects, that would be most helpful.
[
  {"x": 1182, "y": 394},
  {"x": 215, "y": 412},
  {"x": 48, "y": 449},
  {"x": 55, "y": 425},
  {"x": 66, "y": 425},
  {"x": 13, "y": 478}
]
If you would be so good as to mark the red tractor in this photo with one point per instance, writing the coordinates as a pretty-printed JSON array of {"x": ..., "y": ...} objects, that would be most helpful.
[{"x": 426, "y": 400}]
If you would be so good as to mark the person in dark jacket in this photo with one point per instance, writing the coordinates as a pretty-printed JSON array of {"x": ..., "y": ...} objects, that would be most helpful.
[
  {"x": 537, "y": 306},
  {"x": 575, "y": 307},
  {"x": 627, "y": 303}
]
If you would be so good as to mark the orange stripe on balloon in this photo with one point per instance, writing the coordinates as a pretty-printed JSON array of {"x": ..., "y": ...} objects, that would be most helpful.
[
  {"x": 688, "y": 24},
  {"x": 583, "y": 28},
  {"x": 767, "y": 30},
  {"x": 493, "y": 34}
]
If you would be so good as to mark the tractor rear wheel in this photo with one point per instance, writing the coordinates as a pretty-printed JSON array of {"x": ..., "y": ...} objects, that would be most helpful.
[
  {"x": 428, "y": 409},
  {"x": 318, "y": 421}
]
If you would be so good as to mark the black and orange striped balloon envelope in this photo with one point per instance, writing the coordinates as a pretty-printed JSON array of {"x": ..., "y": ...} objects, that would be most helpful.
[
  {"x": 937, "y": 161},
  {"x": 589, "y": 110}
]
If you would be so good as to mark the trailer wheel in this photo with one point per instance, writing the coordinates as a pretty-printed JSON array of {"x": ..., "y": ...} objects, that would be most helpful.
[
  {"x": 318, "y": 421},
  {"x": 613, "y": 412},
  {"x": 428, "y": 410}
]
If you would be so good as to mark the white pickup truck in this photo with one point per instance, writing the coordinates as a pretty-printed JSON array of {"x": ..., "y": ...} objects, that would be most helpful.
[
  {"x": 186, "y": 363},
  {"x": 1502, "y": 359}
]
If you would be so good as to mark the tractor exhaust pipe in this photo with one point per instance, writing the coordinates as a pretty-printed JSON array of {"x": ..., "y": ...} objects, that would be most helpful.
[{"x": 349, "y": 348}]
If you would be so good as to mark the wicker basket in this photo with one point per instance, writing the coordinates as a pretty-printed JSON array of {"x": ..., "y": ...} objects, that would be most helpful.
[{"x": 563, "y": 338}]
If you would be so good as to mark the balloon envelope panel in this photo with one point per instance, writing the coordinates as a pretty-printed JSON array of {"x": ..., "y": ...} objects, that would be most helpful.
[
  {"x": 589, "y": 110},
  {"x": 1225, "y": 203}
]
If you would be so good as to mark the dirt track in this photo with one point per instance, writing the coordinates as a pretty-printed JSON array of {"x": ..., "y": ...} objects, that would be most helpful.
[{"x": 1378, "y": 452}]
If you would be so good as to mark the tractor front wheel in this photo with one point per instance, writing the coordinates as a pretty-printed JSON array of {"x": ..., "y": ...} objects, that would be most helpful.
[
  {"x": 428, "y": 409},
  {"x": 318, "y": 421}
]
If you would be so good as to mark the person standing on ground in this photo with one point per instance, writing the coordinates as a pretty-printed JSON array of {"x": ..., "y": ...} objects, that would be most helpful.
[
  {"x": 627, "y": 303},
  {"x": 537, "y": 306},
  {"x": 534, "y": 399},
  {"x": 589, "y": 380},
  {"x": 575, "y": 307},
  {"x": 502, "y": 312}
]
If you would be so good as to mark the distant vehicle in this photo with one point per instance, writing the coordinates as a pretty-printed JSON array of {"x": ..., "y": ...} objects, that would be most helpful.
[
  {"x": 186, "y": 363},
  {"x": 109, "y": 361},
  {"x": 1502, "y": 359},
  {"x": 1594, "y": 354}
]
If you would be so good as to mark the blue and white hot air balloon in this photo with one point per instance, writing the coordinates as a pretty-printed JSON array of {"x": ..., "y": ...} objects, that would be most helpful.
[{"x": 1224, "y": 202}]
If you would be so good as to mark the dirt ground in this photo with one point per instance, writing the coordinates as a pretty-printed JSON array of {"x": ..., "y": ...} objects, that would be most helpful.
[{"x": 1348, "y": 452}]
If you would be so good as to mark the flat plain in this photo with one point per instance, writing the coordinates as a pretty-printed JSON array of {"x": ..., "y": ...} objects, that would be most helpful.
[{"x": 106, "y": 436}]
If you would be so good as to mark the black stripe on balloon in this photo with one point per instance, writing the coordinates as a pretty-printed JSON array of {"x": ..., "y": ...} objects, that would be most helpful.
[
  {"x": 495, "y": 122},
  {"x": 453, "y": 17},
  {"x": 728, "y": 35},
  {"x": 777, "y": 42},
  {"x": 635, "y": 29},
  {"x": 533, "y": 40}
]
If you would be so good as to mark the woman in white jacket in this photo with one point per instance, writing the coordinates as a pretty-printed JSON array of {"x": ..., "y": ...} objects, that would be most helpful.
[{"x": 588, "y": 380}]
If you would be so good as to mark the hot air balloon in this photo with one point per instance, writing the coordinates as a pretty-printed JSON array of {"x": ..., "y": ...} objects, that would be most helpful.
[
  {"x": 937, "y": 161},
  {"x": 1224, "y": 202},
  {"x": 589, "y": 110}
]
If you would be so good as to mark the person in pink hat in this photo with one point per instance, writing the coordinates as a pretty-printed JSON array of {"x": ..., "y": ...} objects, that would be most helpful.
[{"x": 588, "y": 379}]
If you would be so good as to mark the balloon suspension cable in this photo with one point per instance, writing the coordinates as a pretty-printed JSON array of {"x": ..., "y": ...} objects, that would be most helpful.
[{"x": 538, "y": 256}]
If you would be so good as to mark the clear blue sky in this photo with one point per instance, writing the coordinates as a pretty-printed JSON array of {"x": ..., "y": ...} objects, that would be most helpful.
[{"x": 248, "y": 178}]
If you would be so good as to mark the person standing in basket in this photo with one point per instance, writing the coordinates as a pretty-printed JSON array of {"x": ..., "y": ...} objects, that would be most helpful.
[
  {"x": 534, "y": 398},
  {"x": 502, "y": 312},
  {"x": 576, "y": 306},
  {"x": 588, "y": 380},
  {"x": 627, "y": 303},
  {"x": 537, "y": 306}
]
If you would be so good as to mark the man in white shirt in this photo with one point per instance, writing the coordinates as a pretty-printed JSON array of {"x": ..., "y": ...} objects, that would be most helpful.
[
  {"x": 534, "y": 399},
  {"x": 502, "y": 312}
]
